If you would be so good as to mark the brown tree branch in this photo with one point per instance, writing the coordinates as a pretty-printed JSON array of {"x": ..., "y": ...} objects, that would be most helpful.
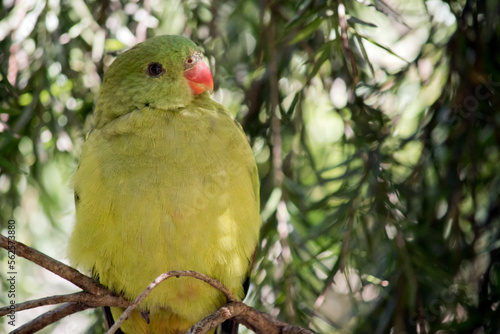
[
  {"x": 257, "y": 321},
  {"x": 213, "y": 320},
  {"x": 50, "y": 317},
  {"x": 52, "y": 300},
  {"x": 82, "y": 297},
  {"x": 345, "y": 40},
  {"x": 277, "y": 158}
]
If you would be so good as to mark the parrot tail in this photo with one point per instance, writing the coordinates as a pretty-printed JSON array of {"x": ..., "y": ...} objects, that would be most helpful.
[
  {"x": 228, "y": 327},
  {"x": 109, "y": 319}
]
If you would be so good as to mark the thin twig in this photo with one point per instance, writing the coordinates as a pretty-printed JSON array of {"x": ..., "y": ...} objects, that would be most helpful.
[
  {"x": 175, "y": 273},
  {"x": 77, "y": 297},
  {"x": 50, "y": 317},
  {"x": 142, "y": 27},
  {"x": 52, "y": 300},
  {"x": 258, "y": 322},
  {"x": 345, "y": 40},
  {"x": 213, "y": 320},
  {"x": 277, "y": 152}
]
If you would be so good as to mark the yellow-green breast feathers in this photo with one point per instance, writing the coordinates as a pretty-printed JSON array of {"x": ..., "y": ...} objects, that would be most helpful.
[{"x": 166, "y": 181}]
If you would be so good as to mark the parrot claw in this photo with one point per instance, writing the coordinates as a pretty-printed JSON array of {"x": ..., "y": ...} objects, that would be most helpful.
[{"x": 145, "y": 315}]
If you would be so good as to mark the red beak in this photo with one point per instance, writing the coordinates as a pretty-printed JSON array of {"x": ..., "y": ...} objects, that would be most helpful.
[{"x": 199, "y": 78}]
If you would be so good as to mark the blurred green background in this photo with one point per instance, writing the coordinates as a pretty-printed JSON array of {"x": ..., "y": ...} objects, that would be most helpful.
[{"x": 375, "y": 126}]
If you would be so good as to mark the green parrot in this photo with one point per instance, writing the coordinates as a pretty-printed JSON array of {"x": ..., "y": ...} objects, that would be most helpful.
[{"x": 166, "y": 181}]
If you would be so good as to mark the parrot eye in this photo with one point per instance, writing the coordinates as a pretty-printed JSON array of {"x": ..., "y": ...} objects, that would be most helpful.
[
  {"x": 155, "y": 70},
  {"x": 191, "y": 61}
]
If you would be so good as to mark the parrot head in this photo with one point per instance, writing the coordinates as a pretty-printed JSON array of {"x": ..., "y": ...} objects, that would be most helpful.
[{"x": 163, "y": 72}]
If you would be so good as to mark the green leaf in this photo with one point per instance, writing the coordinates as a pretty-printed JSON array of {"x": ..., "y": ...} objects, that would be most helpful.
[
  {"x": 325, "y": 52},
  {"x": 308, "y": 30},
  {"x": 353, "y": 19},
  {"x": 379, "y": 45},
  {"x": 365, "y": 55},
  {"x": 10, "y": 166}
]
